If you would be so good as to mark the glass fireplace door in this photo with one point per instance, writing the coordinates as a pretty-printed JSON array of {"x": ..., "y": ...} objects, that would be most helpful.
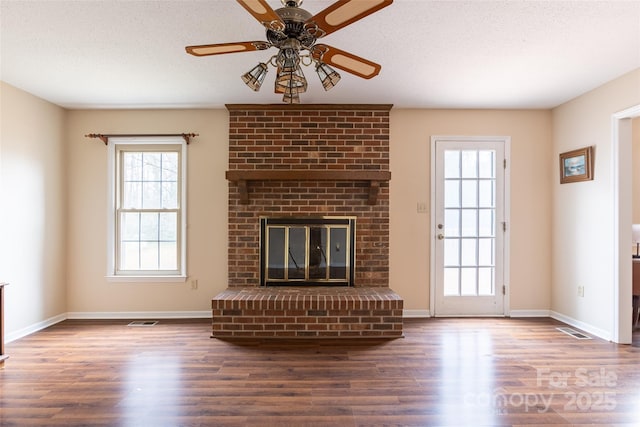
[{"x": 309, "y": 254}]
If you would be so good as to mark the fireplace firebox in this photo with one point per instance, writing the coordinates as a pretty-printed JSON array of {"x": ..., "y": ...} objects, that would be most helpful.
[{"x": 307, "y": 251}]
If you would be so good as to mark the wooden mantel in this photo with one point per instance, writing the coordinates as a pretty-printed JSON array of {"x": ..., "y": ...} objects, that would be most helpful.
[{"x": 243, "y": 177}]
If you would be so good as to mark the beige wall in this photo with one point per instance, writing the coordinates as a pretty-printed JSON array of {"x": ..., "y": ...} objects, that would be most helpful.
[
  {"x": 90, "y": 294},
  {"x": 531, "y": 175},
  {"x": 583, "y": 212},
  {"x": 32, "y": 218}
]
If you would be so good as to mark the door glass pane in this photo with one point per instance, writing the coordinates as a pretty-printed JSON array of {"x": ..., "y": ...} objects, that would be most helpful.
[
  {"x": 469, "y": 164},
  {"x": 468, "y": 285},
  {"x": 469, "y": 223},
  {"x": 485, "y": 252},
  {"x": 485, "y": 281},
  {"x": 485, "y": 223},
  {"x": 452, "y": 193},
  {"x": 451, "y": 278},
  {"x": 486, "y": 163},
  {"x": 452, "y": 252},
  {"x": 452, "y": 164},
  {"x": 468, "y": 253},
  {"x": 452, "y": 222},
  {"x": 469, "y": 194},
  {"x": 486, "y": 195}
]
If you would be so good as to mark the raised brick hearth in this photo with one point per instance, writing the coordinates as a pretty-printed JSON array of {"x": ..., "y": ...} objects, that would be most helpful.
[
  {"x": 309, "y": 312},
  {"x": 308, "y": 161}
]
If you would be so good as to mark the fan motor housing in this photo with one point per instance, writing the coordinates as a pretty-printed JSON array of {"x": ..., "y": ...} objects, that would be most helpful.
[{"x": 294, "y": 19}]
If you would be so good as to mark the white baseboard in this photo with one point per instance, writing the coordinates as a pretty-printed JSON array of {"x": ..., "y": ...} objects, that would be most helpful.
[
  {"x": 529, "y": 313},
  {"x": 149, "y": 315},
  {"x": 416, "y": 313},
  {"x": 125, "y": 315},
  {"x": 600, "y": 333},
  {"x": 12, "y": 336}
]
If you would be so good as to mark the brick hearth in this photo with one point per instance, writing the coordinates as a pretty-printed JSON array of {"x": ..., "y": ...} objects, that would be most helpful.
[
  {"x": 303, "y": 161},
  {"x": 310, "y": 312}
]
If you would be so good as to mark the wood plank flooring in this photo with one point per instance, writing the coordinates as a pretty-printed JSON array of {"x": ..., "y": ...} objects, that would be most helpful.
[{"x": 444, "y": 372}]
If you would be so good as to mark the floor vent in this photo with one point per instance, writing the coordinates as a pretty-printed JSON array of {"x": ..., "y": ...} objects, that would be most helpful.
[
  {"x": 574, "y": 333},
  {"x": 143, "y": 323}
]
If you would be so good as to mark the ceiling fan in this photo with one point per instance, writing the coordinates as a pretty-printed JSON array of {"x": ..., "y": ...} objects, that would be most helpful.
[{"x": 294, "y": 31}]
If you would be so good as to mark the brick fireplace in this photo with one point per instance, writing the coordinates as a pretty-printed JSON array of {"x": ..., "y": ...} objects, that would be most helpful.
[{"x": 308, "y": 161}]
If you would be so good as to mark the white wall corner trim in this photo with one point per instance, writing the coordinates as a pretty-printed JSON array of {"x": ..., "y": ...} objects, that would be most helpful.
[{"x": 600, "y": 333}]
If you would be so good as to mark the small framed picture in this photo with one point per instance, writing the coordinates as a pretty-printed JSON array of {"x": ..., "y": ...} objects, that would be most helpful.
[{"x": 576, "y": 165}]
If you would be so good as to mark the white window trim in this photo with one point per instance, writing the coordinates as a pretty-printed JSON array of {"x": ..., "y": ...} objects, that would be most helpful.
[{"x": 111, "y": 210}]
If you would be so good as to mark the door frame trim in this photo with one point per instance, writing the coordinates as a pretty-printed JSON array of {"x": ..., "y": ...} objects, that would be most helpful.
[{"x": 506, "y": 140}]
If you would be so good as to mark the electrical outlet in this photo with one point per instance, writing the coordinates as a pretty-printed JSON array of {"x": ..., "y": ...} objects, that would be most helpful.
[
  {"x": 194, "y": 284},
  {"x": 581, "y": 291},
  {"x": 421, "y": 207}
]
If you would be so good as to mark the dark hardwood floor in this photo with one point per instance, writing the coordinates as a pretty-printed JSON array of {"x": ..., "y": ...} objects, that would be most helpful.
[{"x": 444, "y": 372}]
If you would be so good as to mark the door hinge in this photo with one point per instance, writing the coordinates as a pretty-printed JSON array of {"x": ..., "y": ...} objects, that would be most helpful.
[
  {"x": 504, "y": 163},
  {"x": 504, "y": 226},
  {"x": 504, "y": 290}
]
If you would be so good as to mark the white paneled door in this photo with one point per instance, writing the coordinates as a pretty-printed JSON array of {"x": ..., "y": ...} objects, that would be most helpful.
[{"x": 469, "y": 226}]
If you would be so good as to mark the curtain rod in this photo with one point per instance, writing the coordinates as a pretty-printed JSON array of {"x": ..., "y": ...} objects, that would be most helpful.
[{"x": 105, "y": 137}]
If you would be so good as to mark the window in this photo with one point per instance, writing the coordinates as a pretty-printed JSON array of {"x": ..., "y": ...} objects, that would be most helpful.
[{"x": 147, "y": 227}]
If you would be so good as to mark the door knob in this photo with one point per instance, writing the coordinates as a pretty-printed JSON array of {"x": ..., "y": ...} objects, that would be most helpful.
[{"x": 440, "y": 236}]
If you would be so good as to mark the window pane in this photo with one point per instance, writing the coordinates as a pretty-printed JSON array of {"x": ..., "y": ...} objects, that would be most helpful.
[
  {"x": 168, "y": 227},
  {"x": 169, "y": 195},
  {"x": 451, "y": 276},
  {"x": 451, "y": 164},
  {"x": 469, "y": 164},
  {"x": 132, "y": 166},
  {"x": 130, "y": 256},
  {"x": 168, "y": 256},
  {"x": 151, "y": 195},
  {"x": 469, "y": 194},
  {"x": 149, "y": 227},
  {"x": 452, "y": 193},
  {"x": 151, "y": 166},
  {"x": 132, "y": 195},
  {"x": 469, "y": 223},
  {"x": 130, "y": 226},
  {"x": 149, "y": 255},
  {"x": 170, "y": 167}
]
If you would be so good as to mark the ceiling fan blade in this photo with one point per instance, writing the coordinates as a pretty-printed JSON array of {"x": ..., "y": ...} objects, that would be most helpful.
[
  {"x": 263, "y": 13},
  {"x": 220, "y": 48},
  {"x": 346, "y": 61},
  {"x": 342, "y": 13}
]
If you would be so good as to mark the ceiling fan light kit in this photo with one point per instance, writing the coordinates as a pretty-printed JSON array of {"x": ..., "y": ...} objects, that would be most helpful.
[{"x": 294, "y": 31}]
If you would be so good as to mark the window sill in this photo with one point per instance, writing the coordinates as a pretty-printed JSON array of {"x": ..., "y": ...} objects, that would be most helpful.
[{"x": 147, "y": 279}]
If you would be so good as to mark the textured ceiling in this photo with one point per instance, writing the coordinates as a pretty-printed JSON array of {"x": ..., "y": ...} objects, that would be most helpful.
[{"x": 434, "y": 54}]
